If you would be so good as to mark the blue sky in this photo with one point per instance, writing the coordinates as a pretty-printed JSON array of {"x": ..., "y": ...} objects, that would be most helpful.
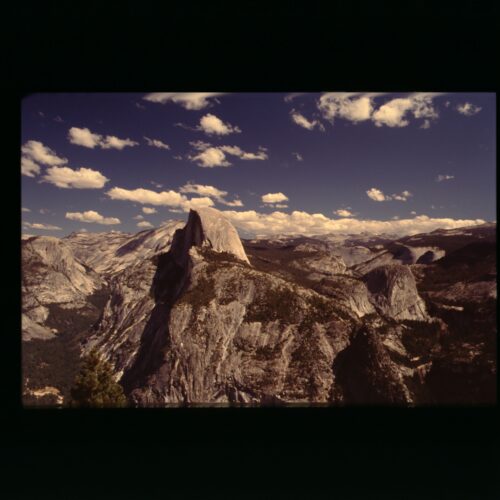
[{"x": 273, "y": 162}]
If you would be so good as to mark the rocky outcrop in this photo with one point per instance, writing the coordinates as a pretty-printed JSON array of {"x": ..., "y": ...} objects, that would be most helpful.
[
  {"x": 111, "y": 253},
  {"x": 393, "y": 292},
  {"x": 366, "y": 375},
  {"x": 321, "y": 265},
  {"x": 237, "y": 335},
  {"x": 349, "y": 291},
  {"x": 53, "y": 279}
]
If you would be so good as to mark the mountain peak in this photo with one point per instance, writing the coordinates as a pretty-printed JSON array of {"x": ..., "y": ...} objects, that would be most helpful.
[{"x": 209, "y": 227}]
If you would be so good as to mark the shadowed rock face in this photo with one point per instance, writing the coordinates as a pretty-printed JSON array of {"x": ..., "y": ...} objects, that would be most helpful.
[
  {"x": 393, "y": 292},
  {"x": 366, "y": 375}
]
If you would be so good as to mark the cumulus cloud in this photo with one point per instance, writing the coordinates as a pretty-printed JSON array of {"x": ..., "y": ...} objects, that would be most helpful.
[
  {"x": 138, "y": 217},
  {"x": 82, "y": 178},
  {"x": 274, "y": 197},
  {"x": 156, "y": 184},
  {"x": 169, "y": 198},
  {"x": 24, "y": 209},
  {"x": 303, "y": 122},
  {"x": 212, "y": 125},
  {"x": 204, "y": 190},
  {"x": 37, "y": 225},
  {"x": 210, "y": 157},
  {"x": 145, "y": 224},
  {"x": 37, "y": 152},
  {"x": 441, "y": 178},
  {"x": 28, "y": 167},
  {"x": 156, "y": 143},
  {"x": 84, "y": 137},
  {"x": 342, "y": 212},
  {"x": 215, "y": 156},
  {"x": 377, "y": 195},
  {"x": 468, "y": 109},
  {"x": 312, "y": 224},
  {"x": 92, "y": 216},
  {"x": 298, "y": 156},
  {"x": 147, "y": 197},
  {"x": 352, "y": 106},
  {"x": 426, "y": 124},
  {"x": 395, "y": 113},
  {"x": 149, "y": 210},
  {"x": 188, "y": 100}
]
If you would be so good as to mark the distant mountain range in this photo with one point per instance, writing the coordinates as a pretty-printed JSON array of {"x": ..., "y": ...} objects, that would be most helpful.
[{"x": 188, "y": 313}]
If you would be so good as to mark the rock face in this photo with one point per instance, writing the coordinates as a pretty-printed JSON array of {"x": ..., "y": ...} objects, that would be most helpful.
[
  {"x": 393, "y": 292},
  {"x": 110, "y": 253},
  {"x": 189, "y": 318},
  {"x": 238, "y": 335},
  {"x": 349, "y": 291},
  {"x": 211, "y": 228},
  {"x": 53, "y": 278},
  {"x": 321, "y": 265}
]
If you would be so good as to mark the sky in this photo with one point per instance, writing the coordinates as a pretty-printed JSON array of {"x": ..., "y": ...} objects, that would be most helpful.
[{"x": 273, "y": 163}]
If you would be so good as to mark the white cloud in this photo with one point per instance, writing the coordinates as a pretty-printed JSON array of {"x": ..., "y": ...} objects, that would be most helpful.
[
  {"x": 303, "y": 122},
  {"x": 156, "y": 143},
  {"x": 377, "y": 195},
  {"x": 92, "y": 216},
  {"x": 426, "y": 124},
  {"x": 352, "y": 106},
  {"x": 298, "y": 156},
  {"x": 144, "y": 223},
  {"x": 37, "y": 152},
  {"x": 243, "y": 155},
  {"x": 395, "y": 113},
  {"x": 112, "y": 142},
  {"x": 83, "y": 178},
  {"x": 413, "y": 212},
  {"x": 211, "y": 124},
  {"x": 165, "y": 198},
  {"x": 28, "y": 167},
  {"x": 210, "y": 157},
  {"x": 195, "y": 203},
  {"x": 149, "y": 210},
  {"x": 84, "y": 137},
  {"x": 23, "y": 209},
  {"x": 400, "y": 197},
  {"x": 188, "y": 100},
  {"x": 156, "y": 184},
  {"x": 441, "y": 178},
  {"x": 147, "y": 197},
  {"x": 274, "y": 198},
  {"x": 138, "y": 217},
  {"x": 204, "y": 190},
  {"x": 311, "y": 224},
  {"x": 215, "y": 156},
  {"x": 46, "y": 227},
  {"x": 468, "y": 109},
  {"x": 342, "y": 212}
]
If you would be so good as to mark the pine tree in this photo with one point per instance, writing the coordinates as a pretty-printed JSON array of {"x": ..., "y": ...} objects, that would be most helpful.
[{"x": 95, "y": 386}]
